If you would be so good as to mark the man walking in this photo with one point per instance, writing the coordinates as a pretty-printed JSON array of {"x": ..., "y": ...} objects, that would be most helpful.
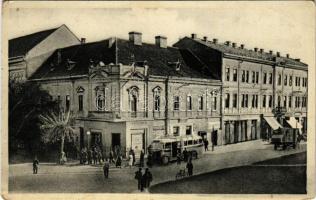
[
  {"x": 89, "y": 157},
  {"x": 35, "y": 165},
  {"x": 106, "y": 168},
  {"x": 190, "y": 167},
  {"x": 142, "y": 158},
  {"x": 206, "y": 144},
  {"x": 185, "y": 155},
  {"x": 138, "y": 177},
  {"x": 146, "y": 179}
]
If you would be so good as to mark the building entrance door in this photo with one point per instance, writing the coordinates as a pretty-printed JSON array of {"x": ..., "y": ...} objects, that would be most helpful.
[
  {"x": 116, "y": 140},
  {"x": 81, "y": 137},
  {"x": 96, "y": 140}
]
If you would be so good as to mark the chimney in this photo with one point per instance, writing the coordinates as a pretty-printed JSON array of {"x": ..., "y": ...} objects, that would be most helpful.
[
  {"x": 242, "y": 46},
  {"x": 234, "y": 44},
  {"x": 135, "y": 37},
  {"x": 271, "y": 52},
  {"x": 261, "y": 50},
  {"x": 278, "y": 54},
  {"x": 205, "y": 38},
  {"x": 83, "y": 40},
  {"x": 288, "y": 55},
  {"x": 215, "y": 40},
  {"x": 227, "y": 43},
  {"x": 256, "y": 49},
  {"x": 193, "y": 36},
  {"x": 161, "y": 41}
]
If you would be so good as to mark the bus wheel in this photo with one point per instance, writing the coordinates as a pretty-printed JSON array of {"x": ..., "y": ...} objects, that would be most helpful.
[{"x": 165, "y": 160}]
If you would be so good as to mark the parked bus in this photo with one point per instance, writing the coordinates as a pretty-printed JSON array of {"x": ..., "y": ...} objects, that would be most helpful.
[{"x": 165, "y": 149}]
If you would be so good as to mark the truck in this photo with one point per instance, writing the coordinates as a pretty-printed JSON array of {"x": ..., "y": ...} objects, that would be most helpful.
[{"x": 284, "y": 138}]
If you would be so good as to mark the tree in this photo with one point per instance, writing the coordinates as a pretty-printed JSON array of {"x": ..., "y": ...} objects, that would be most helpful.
[
  {"x": 27, "y": 100},
  {"x": 57, "y": 126}
]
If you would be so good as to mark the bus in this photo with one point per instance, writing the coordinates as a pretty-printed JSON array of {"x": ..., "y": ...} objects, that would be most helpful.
[{"x": 165, "y": 149}]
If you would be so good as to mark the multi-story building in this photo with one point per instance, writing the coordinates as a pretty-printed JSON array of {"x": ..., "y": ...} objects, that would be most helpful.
[
  {"x": 28, "y": 52},
  {"x": 256, "y": 86},
  {"x": 126, "y": 93}
]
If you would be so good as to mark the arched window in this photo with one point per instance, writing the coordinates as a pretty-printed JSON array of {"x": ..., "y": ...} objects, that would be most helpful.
[{"x": 157, "y": 97}]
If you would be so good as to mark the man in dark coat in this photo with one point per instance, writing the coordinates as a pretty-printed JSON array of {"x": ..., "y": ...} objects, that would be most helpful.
[
  {"x": 138, "y": 177},
  {"x": 35, "y": 165},
  {"x": 142, "y": 159},
  {"x": 147, "y": 178},
  {"x": 206, "y": 144},
  {"x": 90, "y": 157},
  {"x": 134, "y": 159},
  {"x": 185, "y": 155},
  {"x": 95, "y": 156},
  {"x": 178, "y": 158},
  {"x": 190, "y": 167},
  {"x": 106, "y": 168},
  {"x": 111, "y": 156}
]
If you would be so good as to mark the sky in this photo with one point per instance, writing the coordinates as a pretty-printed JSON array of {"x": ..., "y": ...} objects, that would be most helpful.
[{"x": 287, "y": 27}]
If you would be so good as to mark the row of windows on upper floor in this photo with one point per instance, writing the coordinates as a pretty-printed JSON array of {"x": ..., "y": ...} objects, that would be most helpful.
[
  {"x": 267, "y": 78},
  {"x": 266, "y": 101}
]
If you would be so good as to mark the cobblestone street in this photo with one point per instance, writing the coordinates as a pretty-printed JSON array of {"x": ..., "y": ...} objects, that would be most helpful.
[{"x": 54, "y": 178}]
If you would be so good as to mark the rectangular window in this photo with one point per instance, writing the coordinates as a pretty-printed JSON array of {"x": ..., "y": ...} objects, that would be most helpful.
[
  {"x": 285, "y": 80},
  {"x": 189, "y": 103},
  {"x": 296, "y": 81},
  {"x": 201, "y": 103},
  {"x": 298, "y": 102},
  {"x": 176, "y": 130},
  {"x": 290, "y": 102},
  {"x": 284, "y": 101},
  {"x": 242, "y": 100},
  {"x": 80, "y": 101},
  {"x": 279, "y": 79},
  {"x": 253, "y": 77},
  {"x": 265, "y": 78},
  {"x": 257, "y": 77},
  {"x": 214, "y": 103},
  {"x": 270, "y": 78},
  {"x": 176, "y": 103},
  {"x": 227, "y": 100},
  {"x": 247, "y": 76},
  {"x": 243, "y": 76},
  {"x": 235, "y": 75},
  {"x": 188, "y": 130},
  {"x": 235, "y": 100},
  {"x": 279, "y": 101},
  {"x": 67, "y": 103},
  {"x": 270, "y": 101},
  {"x": 246, "y": 100},
  {"x": 256, "y": 101},
  {"x": 264, "y": 101},
  {"x": 227, "y": 74},
  {"x": 299, "y": 82},
  {"x": 253, "y": 101}
]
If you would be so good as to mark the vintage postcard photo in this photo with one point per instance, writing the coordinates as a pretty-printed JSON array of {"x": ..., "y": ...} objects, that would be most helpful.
[{"x": 152, "y": 98}]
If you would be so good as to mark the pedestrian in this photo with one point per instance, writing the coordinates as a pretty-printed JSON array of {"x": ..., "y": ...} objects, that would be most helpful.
[
  {"x": 150, "y": 160},
  {"x": 134, "y": 159},
  {"x": 99, "y": 156},
  {"x": 81, "y": 156},
  {"x": 130, "y": 161},
  {"x": 190, "y": 167},
  {"x": 111, "y": 156},
  {"x": 142, "y": 158},
  {"x": 89, "y": 156},
  {"x": 185, "y": 155},
  {"x": 138, "y": 177},
  {"x": 147, "y": 178},
  {"x": 118, "y": 163},
  {"x": 178, "y": 158},
  {"x": 35, "y": 165},
  {"x": 298, "y": 141},
  {"x": 94, "y": 156},
  {"x": 206, "y": 144},
  {"x": 106, "y": 168}
]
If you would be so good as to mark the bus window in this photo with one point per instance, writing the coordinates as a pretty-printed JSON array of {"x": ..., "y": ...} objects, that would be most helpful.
[
  {"x": 195, "y": 141},
  {"x": 185, "y": 143},
  {"x": 168, "y": 146},
  {"x": 189, "y": 142},
  {"x": 200, "y": 141}
]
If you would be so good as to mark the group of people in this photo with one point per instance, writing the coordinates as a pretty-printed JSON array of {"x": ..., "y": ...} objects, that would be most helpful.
[
  {"x": 143, "y": 180},
  {"x": 94, "y": 155}
]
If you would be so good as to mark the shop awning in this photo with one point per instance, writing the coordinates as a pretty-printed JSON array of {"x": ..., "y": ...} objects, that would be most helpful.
[
  {"x": 273, "y": 123},
  {"x": 294, "y": 123}
]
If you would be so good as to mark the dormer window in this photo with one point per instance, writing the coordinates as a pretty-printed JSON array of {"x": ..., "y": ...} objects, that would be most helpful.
[
  {"x": 176, "y": 65},
  {"x": 70, "y": 64}
]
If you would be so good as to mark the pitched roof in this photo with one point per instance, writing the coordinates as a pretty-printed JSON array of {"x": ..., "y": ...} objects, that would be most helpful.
[
  {"x": 160, "y": 60},
  {"x": 21, "y": 45},
  {"x": 247, "y": 52}
]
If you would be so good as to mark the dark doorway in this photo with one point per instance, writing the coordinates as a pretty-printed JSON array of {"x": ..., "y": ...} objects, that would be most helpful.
[
  {"x": 81, "y": 137},
  {"x": 214, "y": 137},
  {"x": 174, "y": 149},
  {"x": 116, "y": 139},
  {"x": 96, "y": 140}
]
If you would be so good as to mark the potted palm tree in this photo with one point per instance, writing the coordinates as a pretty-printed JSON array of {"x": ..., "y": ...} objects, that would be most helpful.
[{"x": 56, "y": 126}]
